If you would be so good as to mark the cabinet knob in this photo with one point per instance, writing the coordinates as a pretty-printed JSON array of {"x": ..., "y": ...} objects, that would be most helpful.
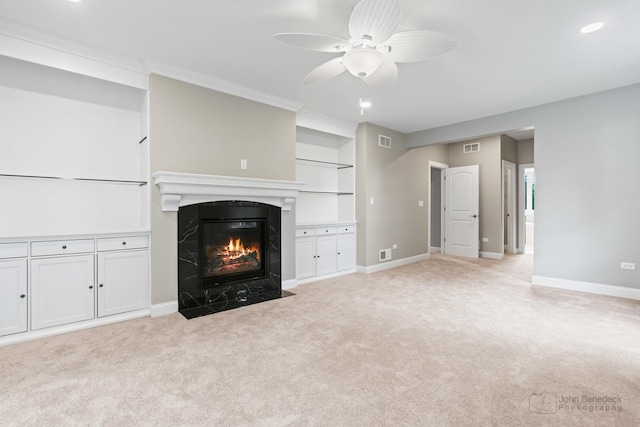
[
  {"x": 304, "y": 232},
  {"x": 64, "y": 246},
  {"x": 90, "y": 286},
  {"x": 22, "y": 296},
  {"x": 101, "y": 285},
  {"x": 338, "y": 253},
  {"x": 124, "y": 243}
]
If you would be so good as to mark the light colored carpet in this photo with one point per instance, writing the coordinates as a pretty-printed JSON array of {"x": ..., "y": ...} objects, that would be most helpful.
[{"x": 447, "y": 341}]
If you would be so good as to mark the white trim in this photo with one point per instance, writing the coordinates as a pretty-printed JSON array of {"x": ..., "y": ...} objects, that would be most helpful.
[
  {"x": 164, "y": 308},
  {"x": 392, "y": 264},
  {"x": 491, "y": 255},
  {"x": 312, "y": 120},
  {"x": 183, "y": 189},
  {"x": 588, "y": 287},
  {"x": 203, "y": 80},
  {"x": 289, "y": 284},
  {"x": 72, "y": 327},
  {"x": 325, "y": 276},
  {"x": 434, "y": 250},
  {"x": 20, "y": 42}
]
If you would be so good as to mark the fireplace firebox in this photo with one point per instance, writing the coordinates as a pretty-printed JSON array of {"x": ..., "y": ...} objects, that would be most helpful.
[
  {"x": 228, "y": 256},
  {"x": 232, "y": 250}
]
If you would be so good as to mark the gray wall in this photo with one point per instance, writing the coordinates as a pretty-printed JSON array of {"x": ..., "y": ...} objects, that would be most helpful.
[
  {"x": 525, "y": 151},
  {"x": 397, "y": 179},
  {"x": 586, "y": 158},
  {"x": 197, "y": 130},
  {"x": 489, "y": 160}
]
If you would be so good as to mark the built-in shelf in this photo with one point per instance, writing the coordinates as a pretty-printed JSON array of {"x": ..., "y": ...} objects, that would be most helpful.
[
  {"x": 97, "y": 180},
  {"x": 323, "y": 163}
]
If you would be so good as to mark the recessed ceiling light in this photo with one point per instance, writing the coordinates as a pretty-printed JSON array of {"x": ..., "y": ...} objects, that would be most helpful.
[
  {"x": 365, "y": 104},
  {"x": 75, "y": 1},
  {"x": 591, "y": 27}
]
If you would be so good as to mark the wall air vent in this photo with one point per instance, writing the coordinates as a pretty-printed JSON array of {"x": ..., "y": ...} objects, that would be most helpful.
[
  {"x": 384, "y": 141},
  {"x": 471, "y": 148},
  {"x": 385, "y": 255}
]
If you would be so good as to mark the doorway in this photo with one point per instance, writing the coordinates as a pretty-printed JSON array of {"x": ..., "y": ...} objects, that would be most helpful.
[
  {"x": 435, "y": 207},
  {"x": 509, "y": 206},
  {"x": 526, "y": 208}
]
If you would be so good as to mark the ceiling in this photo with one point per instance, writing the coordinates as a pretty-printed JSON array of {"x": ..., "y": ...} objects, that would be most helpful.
[{"x": 511, "y": 54}]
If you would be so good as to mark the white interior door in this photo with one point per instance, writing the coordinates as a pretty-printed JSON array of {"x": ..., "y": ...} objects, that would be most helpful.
[{"x": 462, "y": 219}]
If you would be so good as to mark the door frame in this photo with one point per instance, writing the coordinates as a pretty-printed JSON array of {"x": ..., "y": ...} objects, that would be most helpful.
[
  {"x": 511, "y": 246},
  {"x": 442, "y": 167},
  {"x": 521, "y": 196}
]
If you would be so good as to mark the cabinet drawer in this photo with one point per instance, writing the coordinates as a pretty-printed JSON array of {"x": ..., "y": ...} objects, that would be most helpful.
[
  {"x": 62, "y": 247},
  {"x": 325, "y": 230},
  {"x": 304, "y": 232},
  {"x": 13, "y": 250},
  {"x": 346, "y": 229},
  {"x": 120, "y": 243}
]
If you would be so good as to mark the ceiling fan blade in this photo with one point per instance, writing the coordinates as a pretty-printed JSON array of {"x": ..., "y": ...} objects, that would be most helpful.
[
  {"x": 318, "y": 42},
  {"x": 377, "y": 19},
  {"x": 414, "y": 46},
  {"x": 325, "y": 71},
  {"x": 384, "y": 77}
]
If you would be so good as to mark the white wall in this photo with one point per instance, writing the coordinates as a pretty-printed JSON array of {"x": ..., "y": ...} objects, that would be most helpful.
[{"x": 587, "y": 197}]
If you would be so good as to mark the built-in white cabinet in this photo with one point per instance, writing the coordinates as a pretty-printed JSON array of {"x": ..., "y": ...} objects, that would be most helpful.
[
  {"x": 13, "y": 295},
  {"x": 346, "y": 246},
  {"x": 62, "y": 290},
  {"x": 325, "y": 207},
  {"x": 46, "y": 285},
  {"x": 123, "y": 278},
  {"x": 324, "y": 251}
]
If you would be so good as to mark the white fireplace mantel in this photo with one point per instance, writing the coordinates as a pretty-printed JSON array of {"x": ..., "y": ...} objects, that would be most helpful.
[{"x": 183, "y": 189}]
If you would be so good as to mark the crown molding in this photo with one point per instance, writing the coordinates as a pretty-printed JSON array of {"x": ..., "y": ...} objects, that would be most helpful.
[
  {"x": 311, "y": 119},
  {"x": 203, "y": 80},
  {"x": 27, "y": 44}
]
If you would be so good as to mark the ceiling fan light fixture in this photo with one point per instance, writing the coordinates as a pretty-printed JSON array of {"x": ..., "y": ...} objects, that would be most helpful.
[{"x": 362, "y": 61}]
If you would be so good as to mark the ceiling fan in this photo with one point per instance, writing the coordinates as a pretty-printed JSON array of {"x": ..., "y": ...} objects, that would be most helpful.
[{"x": 374, "y": 47}]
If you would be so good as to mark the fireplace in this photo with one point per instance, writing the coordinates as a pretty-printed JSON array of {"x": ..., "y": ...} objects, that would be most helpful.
[{"x": 228, "y": 256}]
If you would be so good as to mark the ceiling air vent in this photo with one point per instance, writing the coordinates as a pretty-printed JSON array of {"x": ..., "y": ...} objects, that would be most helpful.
[
  {"x": 384, "y": 141},
  {"x": 471, "y": 148}
]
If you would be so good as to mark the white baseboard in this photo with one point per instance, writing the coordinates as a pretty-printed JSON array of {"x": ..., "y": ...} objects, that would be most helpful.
[
  {"x": 289, "y": 284},
  {"x": 588, "y": 287},
  {"x": 391, "y": 264},
  {"x": 164, "y": 308},
  {"x": 324, "y": 277},
  {"x": 71, "y": 327},
  {"x": 434, "y": 250},
  {"x": 491, "y": 255}
]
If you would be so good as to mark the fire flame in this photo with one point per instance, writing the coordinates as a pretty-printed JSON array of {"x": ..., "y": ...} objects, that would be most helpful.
[{"x": 236, "y": 249}]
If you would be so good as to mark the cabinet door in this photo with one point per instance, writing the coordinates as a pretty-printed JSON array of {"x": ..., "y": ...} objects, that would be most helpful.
[
  {"x": 346, "y": 251},
  {"x": 123, "y": 282},
  {"x": 305, "y": 257},
  {"x": 62, "y": 290},
  {"x": 326, "y": 256},
  {"x": 13, "y": 296}
]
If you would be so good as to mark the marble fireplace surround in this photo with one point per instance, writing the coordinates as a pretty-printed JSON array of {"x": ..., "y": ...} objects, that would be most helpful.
[{"x": 179, "y": 190}]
